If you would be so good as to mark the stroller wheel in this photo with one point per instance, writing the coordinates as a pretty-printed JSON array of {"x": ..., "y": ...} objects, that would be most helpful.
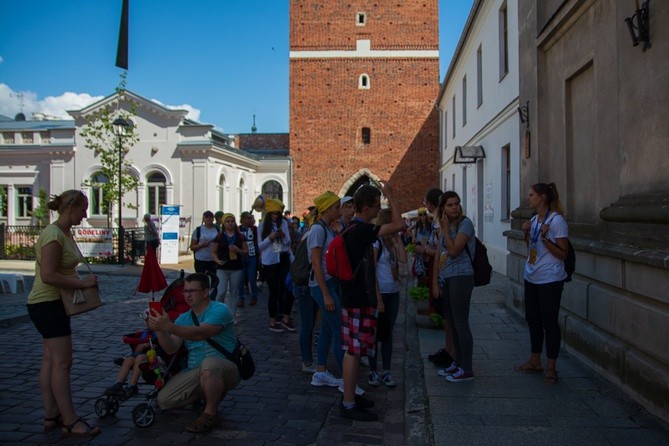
[
  {"x": 143, "y": 415},
  {"x": 113, "y": 406},
  {"x": 102, "y": 407}
]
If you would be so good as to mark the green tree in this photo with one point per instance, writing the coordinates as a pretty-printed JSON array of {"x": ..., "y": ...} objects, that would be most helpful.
[
  {"x": 99, "y": 136},
  {"x": 41, "y": 212}
]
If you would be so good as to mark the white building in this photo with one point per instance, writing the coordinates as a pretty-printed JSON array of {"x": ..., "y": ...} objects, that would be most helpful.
[
  {"x": 479, "y": 121},
  {"x": 177, "y": 161}
]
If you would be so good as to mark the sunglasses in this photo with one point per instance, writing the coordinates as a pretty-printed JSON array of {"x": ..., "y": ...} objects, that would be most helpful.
[{"x": 422, "y": 214}]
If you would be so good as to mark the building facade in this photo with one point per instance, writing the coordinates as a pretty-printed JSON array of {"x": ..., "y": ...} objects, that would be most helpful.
[
  {"x": 478, "y": 116},
  {"x": 176, "y": 160},
  {"x": 597, "y": 128},
  {"x": 363, "y": 80}
]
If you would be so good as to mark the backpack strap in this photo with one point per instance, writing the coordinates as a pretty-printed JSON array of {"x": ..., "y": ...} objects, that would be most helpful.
[{"x": 198, "y": 231}]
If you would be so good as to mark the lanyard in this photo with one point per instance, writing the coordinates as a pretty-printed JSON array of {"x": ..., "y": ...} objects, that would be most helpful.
[{"x": 536, "y": 229}]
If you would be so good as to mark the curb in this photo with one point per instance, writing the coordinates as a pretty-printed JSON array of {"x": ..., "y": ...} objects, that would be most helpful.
[{"x": 417, "y": 410}]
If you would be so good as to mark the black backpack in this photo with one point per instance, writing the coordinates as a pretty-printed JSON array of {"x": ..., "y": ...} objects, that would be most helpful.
[
  {"x": 300, "y": 270},
  {"x": 481, "y": 264},
  {"x": 570, "y": 261}
]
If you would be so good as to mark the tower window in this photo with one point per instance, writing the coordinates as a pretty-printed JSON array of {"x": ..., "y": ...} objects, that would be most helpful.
[
  {"x": 363, "y": 82},
  {"x": 361, "y": 19},
  {"x": 366, "y": 135}
]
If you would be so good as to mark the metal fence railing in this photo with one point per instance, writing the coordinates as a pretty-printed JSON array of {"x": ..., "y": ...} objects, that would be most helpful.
[{"x": 18, "y": 243}]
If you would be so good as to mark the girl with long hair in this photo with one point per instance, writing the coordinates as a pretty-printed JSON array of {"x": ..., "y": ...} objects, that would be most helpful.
[
  {"x": 227, "y": 251},
  {"x": 547, "y": 240},
  {"x": 453, "y": 281}
]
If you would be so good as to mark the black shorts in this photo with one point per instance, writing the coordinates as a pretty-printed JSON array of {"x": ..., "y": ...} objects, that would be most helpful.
[{"x": 50, "y": 319}]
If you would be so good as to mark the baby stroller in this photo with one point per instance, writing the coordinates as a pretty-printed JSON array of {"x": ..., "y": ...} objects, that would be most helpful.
[{"x": 160, "y": 366}]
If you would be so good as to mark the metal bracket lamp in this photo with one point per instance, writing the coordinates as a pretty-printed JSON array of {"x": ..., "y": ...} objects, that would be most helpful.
[{"x": 639, "y": 25}]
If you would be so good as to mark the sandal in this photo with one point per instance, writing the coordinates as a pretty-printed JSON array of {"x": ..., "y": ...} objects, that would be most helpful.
[
  {"x": 51, "y": 423},
  {"x": 528, "y": 367},
  {"x": 551, "y": 378},
  {"x": 89, "y": 432},
  {"x": 204, "y": 423}
]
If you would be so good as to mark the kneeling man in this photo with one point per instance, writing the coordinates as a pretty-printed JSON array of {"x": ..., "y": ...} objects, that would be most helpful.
[{"x": 210, "y": 374}]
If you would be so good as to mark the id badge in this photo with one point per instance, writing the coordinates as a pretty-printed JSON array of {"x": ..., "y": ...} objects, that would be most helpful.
[
  {"x": 533, "y": 256},
  {"x": 276, "y": 246},
  {"x": 442, "y": 260}
]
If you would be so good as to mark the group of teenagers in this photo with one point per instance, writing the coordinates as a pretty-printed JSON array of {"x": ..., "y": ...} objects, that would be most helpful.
[
  {"x": 446, "y": 248},
  {"x": 351, "y": 311}
]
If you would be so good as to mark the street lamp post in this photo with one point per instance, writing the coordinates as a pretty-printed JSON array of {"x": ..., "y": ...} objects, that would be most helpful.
[{"x": 120, "y": 127}]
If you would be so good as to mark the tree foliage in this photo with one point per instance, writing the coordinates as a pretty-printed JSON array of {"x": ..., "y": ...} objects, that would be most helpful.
[
  {"x": 41, "y": 212},
  {"x": 99, "y": 136}
]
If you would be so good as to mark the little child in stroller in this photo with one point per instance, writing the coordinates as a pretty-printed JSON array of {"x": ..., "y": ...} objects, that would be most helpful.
[{"x": 148, "y": 360}]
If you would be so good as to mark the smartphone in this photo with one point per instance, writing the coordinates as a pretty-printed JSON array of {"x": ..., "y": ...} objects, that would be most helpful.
[{"x": 156, "y": 307}]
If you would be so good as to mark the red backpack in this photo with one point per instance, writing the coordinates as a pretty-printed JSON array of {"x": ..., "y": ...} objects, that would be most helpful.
[{"x": 337, "y": 262}]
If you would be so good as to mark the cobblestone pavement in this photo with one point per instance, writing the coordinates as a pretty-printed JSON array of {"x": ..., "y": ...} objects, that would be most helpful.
[{"x": 277, "y": 406}]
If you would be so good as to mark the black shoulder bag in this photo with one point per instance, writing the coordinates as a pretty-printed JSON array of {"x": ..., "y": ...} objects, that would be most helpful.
[{"x": 241, "y": 356}]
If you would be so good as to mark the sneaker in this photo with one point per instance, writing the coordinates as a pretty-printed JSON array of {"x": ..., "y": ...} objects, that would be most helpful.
[
  {"x": 115, "y": 390},
  {"x": 320, "y": 379},
  {"x": 357, "y": 414},
  {"x": 358, "y": 389},
  {"x": 364, "y": 360},
  {"x": 364, "y": 403},
  {"x": 290, "y": 326},
  {"x": 131, "y": 390},
  {"x": 374, "y": 379},
  {"x": 387, "y": 379},
  {"x": 276, "y": 327},
  {"x": 309, "y": 368},
  {"x": 460, "y": 376},
  {"x": 441, "y": 358},
  {"x": 448, "y": 370}
]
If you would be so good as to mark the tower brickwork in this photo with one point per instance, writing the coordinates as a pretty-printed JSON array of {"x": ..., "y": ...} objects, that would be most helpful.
[{"x": 363, "y": 80}]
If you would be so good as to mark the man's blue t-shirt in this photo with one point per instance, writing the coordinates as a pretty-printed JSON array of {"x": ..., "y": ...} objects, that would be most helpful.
[{"x": 216, "y": 313}]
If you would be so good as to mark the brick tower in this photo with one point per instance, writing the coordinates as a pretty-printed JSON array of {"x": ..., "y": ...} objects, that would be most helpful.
[{"x": 364, "y": 76}]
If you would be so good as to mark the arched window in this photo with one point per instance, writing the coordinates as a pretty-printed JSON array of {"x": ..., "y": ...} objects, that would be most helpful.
[
  {"x": 99, "y": 201},
  {"x": 272, "y": 189},
  {"x": 241, "y": 195},
  {"x": 221, "y": 192},
  {"x": 156, "y": 185},
  {"x": 364, "y": 82}
]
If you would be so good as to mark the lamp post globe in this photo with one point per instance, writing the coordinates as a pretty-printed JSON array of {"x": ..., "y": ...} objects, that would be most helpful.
[{"x": 120, "y": 127}]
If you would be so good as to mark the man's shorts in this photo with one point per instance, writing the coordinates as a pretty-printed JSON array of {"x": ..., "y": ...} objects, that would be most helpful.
[
  {"x": 50, "y": 319},
  {"x": 358, "y": 331},
  {"x": 184, "y": 387}
]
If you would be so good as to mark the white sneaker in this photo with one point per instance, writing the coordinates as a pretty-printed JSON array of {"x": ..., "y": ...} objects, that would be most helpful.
[
  {"x": 320, "y": 379},
  {"x": 358, "y": 389},
  {"x": 387, "y": 379},
  {"x": 448, "y": 370},
  {"x": 374, "y": 379}
]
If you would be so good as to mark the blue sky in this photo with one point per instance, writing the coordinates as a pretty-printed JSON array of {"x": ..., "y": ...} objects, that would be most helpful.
[{"x": 223, "y": 60}]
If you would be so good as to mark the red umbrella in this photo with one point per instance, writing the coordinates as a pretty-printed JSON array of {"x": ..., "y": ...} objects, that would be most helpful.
[{"x": 152, "y": 279}]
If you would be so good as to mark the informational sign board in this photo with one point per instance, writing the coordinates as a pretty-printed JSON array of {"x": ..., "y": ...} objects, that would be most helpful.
[
  {"x": 94, "y": 242},
  {"x": 169, "y": 246}
]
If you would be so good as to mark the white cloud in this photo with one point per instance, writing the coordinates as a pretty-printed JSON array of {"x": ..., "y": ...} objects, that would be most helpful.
[
  {"x": 193, "y": 113},
  {"x": 51, "y": 105}
]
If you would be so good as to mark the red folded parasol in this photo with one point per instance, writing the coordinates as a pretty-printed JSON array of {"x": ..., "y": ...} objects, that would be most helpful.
[{"x": 152, "y": 279}]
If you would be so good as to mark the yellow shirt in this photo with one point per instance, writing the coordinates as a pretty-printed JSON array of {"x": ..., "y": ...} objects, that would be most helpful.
[{"x": 69, "y": 259}]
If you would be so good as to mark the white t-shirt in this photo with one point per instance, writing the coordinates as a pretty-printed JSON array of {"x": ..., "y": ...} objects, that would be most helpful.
[
  {"x": 319, "y": 237},
  {"x": 547, "y": 268},
  {"x": 384, "y": 270},
  {"x": 206, "y": 235}
]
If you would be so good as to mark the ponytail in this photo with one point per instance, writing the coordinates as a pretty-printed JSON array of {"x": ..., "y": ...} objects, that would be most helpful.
[{"x": 552, "y": 196}]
